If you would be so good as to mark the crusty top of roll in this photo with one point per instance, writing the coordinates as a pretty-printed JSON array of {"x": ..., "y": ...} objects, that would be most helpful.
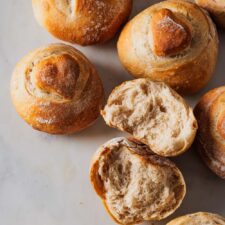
[
  {"x": 134, "y": 183},
  {"x": 170, "y": 34},
  {"x": 167, "y": 34},
  {"x": 56, "y": 89},
  {"x": 154, "y": 114},
  {"x": 200, "y": 218},
  {"x": 83, "y": 22},
  {"x": 210, "y": 113},
  {"x": 57, "y": 75}
]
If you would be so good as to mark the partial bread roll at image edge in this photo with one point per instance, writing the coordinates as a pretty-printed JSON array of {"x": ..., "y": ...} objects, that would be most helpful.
[
  {"x": 82, "y": 22},
  {"x": 216, "y": 8},
  {"x": 175, "y": 42},
  {"x": 210, "y": 139},
  {"x": 154, "y": 114},
  {"x": 200, "y": 218},
  {"x": 55, "y": 89},
  {"x": 134, "y": 184}
]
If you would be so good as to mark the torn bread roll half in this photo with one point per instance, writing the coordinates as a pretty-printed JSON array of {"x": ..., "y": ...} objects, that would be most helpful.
[
  {"x": 135, "y": 184},
  {"x": 172, "y": 41},
  {"x": 154, "y": 114},
  {"x": 200, "y": 218}
]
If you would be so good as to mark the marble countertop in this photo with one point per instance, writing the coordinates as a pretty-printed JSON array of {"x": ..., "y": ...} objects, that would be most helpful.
[{"x": 43, "y": 178}]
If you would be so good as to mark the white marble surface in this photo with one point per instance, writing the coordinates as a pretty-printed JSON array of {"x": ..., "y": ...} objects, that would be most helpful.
[{"x": 44, "y": 179}]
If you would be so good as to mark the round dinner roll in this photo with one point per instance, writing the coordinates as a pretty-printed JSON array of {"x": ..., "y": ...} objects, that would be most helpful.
[
  {"x": 210, "y": 140},
  {"x": 200, "y": 218},
  {"x": 83, "y": 22},
  {"x": 154, "y": 114},
  {"x": 56, "y": 89},
  {"x": 173, "y": 41},
  {"x": 216, "y": 8},
  {"x": 134, "y": 184}
]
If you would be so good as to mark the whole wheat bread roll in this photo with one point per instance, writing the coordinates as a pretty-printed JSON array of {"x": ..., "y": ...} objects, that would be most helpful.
[
  {"x": 210, "y": 140},
  {"x": 200, "y": 218},
  {"x": 154, "y": 114},
  {"x": 172, "y": 41},
  {"x": 135, "y": 184},
  {"x": 56, "y": 89},
  {"x": 84, "y": 22}
]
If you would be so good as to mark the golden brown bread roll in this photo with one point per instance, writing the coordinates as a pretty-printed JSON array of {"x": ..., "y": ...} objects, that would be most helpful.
[
  {"x": 201, "y": 218},
  {"x": 154, "y": 114},
  {"x": 84, "y": 22},
  {"x": 56, "y": 89},
  {"x": 216, "y": 8},
  {"x": 135, "y": 184},
  {"x": 210, "y": 141},
  {"x": 173, "y": 41}
]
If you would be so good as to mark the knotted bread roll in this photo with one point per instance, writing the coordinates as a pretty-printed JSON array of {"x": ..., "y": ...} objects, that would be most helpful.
[
  {"x": 210, "y": 141},
  {"x": 135, "y": 184},
  {"x": 154, "y": 114},
  {"x": 84, "y": 22},
  {"x": 56, "y": 89},
  {"x": 216, "y": 8},
  {"x": 173, "y": 41},
  {"x": 201, "y": 218}
]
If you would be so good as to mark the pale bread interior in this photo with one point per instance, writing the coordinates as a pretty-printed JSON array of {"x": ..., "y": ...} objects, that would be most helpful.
[
  {"x": 135, "y": 187},
  {"x": 154, "y": 114}
]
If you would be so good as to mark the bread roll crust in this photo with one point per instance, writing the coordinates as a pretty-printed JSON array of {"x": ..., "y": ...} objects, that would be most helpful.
[
  {"x": 56, "y": 89},
  {"x": 154, "y": 114},
  {"x": 200, "y": 218},
  {"x": 210, "y": 141},
  {"x": 192, "y": 42},
  {"x": 135, "y": 156},
  {"x": 171, "y": 38},
  {"x": 216, "y": 8},
  {"x": 84, "y": 22}
]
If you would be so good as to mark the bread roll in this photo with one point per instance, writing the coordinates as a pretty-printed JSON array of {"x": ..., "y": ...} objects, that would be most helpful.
[
  {"x": 216, "y": 8},
  {"x": 154, "y": 114},
  {"x": 210, "y": 141},
  {"x": 173, "y": 41},
  {"x": 84, "y": 22},
  {"x": 135, "y": 184},
  {"x": 201, "y": 218},
  {"x": 56, "y": 89}
]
